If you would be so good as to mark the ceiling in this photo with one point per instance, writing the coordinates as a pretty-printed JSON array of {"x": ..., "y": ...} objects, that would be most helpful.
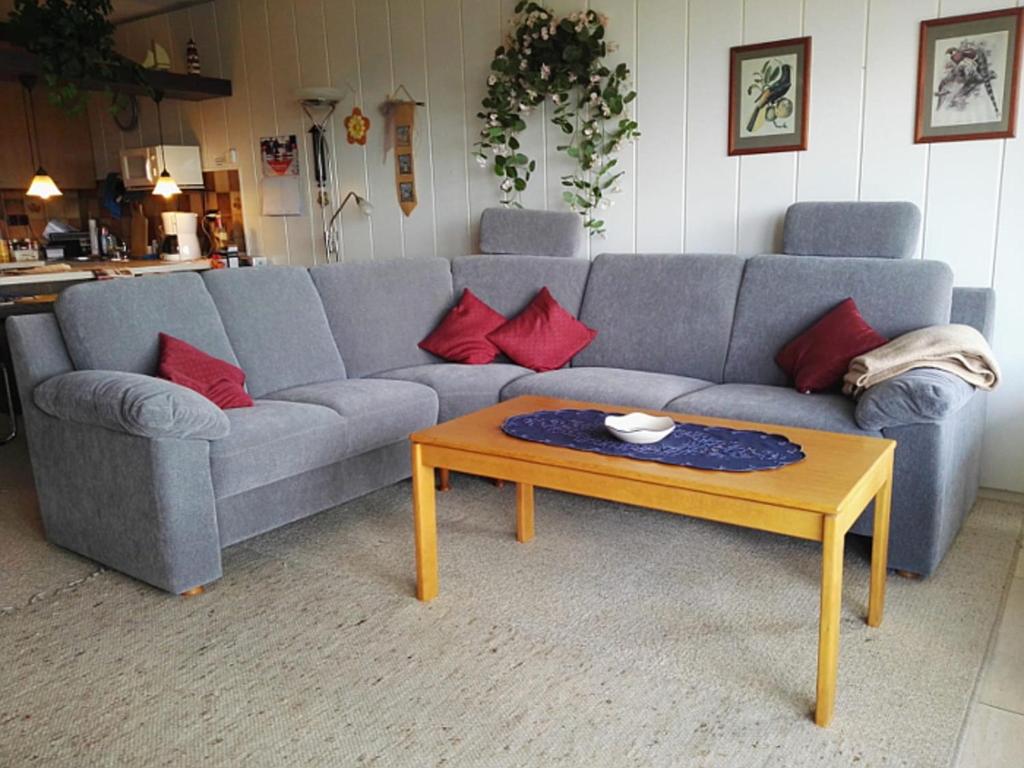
[{"x": 126, "y": 10}]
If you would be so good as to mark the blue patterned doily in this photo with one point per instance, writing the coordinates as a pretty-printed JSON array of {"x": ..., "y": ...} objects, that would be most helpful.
[{"x": 689, "y": 445}]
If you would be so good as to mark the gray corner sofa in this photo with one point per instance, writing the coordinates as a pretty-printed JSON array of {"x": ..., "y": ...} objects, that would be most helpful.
[{"x": 153, "y": 480}]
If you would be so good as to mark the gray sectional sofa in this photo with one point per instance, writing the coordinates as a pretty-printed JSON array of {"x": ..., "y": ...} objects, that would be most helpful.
[{"x": 153, "y": 480}]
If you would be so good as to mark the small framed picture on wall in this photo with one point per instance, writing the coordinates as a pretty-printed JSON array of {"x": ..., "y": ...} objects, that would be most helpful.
[
  {"x": 967, "y": 77},
  {"x": 769, "y": 87}
]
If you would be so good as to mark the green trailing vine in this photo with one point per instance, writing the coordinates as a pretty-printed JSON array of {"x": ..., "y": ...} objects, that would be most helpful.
[
  {"x": 74, "y": 41},
  {"x": 561, "y": 59}
]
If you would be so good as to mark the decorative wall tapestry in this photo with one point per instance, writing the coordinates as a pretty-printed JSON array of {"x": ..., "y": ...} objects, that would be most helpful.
[
  {"x": 768, "y": 96},
  {"x": 968, "y": 67},
  {"x": 561, "y": 58},
  {"x": 400, "y": 117}
]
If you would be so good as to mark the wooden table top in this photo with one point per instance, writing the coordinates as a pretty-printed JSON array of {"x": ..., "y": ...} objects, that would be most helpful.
[{"x": 834, "y": 466}]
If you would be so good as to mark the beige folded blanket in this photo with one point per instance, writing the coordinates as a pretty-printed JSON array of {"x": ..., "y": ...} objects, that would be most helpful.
[{"x": 958, "y": 349}]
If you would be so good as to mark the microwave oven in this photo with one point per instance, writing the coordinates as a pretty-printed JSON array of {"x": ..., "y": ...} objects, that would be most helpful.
[{"x": 141, "y": 166}]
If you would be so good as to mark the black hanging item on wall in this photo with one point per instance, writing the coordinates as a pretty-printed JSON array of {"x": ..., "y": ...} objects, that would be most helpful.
[{"x": 321, "y": 160}]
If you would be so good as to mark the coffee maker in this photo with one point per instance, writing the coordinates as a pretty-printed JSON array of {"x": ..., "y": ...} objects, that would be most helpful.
[{"x": 181, "y": 242}]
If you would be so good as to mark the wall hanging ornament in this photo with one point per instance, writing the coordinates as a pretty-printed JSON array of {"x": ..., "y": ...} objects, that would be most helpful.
[
  {"x": 357, "y": 125},
  {"x": 561, "y": 58},
  {"x": 399, "y": 120}
]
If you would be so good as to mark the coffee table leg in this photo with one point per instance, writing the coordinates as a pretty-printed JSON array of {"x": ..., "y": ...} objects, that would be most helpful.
[
  {"x": 879, "y": 553},
  {"x": 424, "y": 526},
  {"x": 828, "y": 628},
  {"x": 524, "y": 512}
]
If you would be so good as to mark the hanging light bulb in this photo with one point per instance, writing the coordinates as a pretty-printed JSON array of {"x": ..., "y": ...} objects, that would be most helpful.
[
  {"x": 364, "y": 205},
  {"x": 42, "y": 185},
  {"x": 165, "y": 186}
]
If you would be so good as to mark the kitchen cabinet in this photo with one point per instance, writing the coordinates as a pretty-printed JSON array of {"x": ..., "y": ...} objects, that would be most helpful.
[{"x": 65, "y": 144}]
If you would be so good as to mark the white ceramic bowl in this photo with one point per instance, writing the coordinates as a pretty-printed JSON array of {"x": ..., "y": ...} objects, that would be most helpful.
[{"x": 640, "y": 428}]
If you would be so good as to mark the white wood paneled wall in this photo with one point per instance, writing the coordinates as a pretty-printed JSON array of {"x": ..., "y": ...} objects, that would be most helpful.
[{"x": 682, "y": 192}]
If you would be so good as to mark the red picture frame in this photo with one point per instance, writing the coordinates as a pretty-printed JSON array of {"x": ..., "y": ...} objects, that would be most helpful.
[
  {"x": 769, "y": 96},
  {"x": 962, "y": 105}
]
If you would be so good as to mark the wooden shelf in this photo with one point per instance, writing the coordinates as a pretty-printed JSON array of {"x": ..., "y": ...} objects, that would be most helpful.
[{"x": 15, "y": 62}]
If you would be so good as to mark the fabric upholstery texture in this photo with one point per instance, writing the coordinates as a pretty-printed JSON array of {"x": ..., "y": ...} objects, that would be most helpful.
[
  {"x": 270, "y": 506},
  {"x": 461, "y": 337},
  {"x": 919, "y": 396},
  {"x": 217, "y": 380},
  {"x": 460, "y": 389},
  {"x": 132, "y": 403},
  {"x": 886, "y": 229},
  {"x": 772, "y": 405},
  {"x": 374, "y": 412},
  {"x": 273, "y": 440},
  {"x": 543, "y": 336},
  {"x": 782, "y": 295},
  {"x": 508, "y": 285},
  {"x": 277, "y": 326},
  {"x": 817, "y": 359},
  {"x": 616, "y": 386},
  {"x": 527, "y": 232},
  {"x": 379, "y": 311},
  {"x": 975, "y": 307},
  {"x": 661, "y": 313},
  {"x": 113, "y": 324}
]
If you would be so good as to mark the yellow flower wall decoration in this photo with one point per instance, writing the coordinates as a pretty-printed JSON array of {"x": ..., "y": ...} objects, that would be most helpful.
[{"x": 357, "y": 125}]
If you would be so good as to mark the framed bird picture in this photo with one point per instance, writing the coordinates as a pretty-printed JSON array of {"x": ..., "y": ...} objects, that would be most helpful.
[
  {"x": 769, "y": 85},
  {"x": 967, "y": 74}
]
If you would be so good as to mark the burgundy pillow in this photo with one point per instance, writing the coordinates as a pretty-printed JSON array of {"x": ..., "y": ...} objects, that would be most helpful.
[
  {"x": 818, "y": 358},
  {"x": 543, "y": 336},
  {"x": 461, "y": 337},
  {"x": 215, "y": 379}
]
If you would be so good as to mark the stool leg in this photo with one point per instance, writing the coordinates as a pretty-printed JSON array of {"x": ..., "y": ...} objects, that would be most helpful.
[{"x": 13, "y": 433}]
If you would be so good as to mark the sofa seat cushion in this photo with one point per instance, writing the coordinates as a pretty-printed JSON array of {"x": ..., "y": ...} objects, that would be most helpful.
[
  {"x": 772, "y": 405},
  {"x": 461, "y": 389},
  {"x": 274, "y": 440},
  {"x": 632, "y": 389},
  {"x": 375, "y": 412}
]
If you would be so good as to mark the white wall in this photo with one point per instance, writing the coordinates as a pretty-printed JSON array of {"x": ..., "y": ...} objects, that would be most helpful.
[{"x": 682, "y": 191}]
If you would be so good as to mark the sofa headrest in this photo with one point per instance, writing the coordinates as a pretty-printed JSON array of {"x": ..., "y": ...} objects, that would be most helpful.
[
  {"x": 530, "y": 233},
  {"x": 881, "y": 230}
]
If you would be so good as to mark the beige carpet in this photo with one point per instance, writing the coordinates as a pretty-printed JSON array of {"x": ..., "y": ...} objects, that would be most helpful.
[{"x": 619, "y": 637}]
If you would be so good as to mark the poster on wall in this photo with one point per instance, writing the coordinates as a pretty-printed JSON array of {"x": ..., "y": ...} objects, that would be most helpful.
[
  {"x": 280, "y": 155},
  {"x": 968, "y": 68},
  {"x": 769, "y": 86},
  {"x": 280, "y": 188}
]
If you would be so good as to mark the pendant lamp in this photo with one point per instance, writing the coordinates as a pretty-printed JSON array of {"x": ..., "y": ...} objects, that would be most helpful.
[
  {"x": 41, "y": 186},
  {"x": 165, "y": 185}
]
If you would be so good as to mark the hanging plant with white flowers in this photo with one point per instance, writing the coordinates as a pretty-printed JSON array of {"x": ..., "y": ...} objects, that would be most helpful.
[{"x": 561, "y": 59}]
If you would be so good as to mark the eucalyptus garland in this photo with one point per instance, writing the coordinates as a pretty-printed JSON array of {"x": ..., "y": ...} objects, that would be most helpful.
[{"x": 561, "y": 59}]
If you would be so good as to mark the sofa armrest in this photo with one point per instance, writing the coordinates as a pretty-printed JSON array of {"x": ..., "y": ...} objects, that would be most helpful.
[
  {"x": 131, "y": 403},
  {"x": 920, "y": 396}
]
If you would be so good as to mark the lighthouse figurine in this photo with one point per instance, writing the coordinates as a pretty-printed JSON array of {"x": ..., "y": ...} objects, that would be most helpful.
[{"x": 192, "y": 57}]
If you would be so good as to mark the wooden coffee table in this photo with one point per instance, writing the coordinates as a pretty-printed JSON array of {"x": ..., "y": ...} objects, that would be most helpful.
[{"x": 818, "y": 498}]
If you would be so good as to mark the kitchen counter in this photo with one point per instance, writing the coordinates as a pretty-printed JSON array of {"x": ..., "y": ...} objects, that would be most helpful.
[{"x": 69, "y": 271}]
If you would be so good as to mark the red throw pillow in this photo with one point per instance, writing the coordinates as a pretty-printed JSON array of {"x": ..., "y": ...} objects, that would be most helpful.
[
  {"x": 215, "y": 379},
  {"x": 543, "y": 336},
  {"x": 461, "y": 337},
  {"x": 818, "y": 358}
]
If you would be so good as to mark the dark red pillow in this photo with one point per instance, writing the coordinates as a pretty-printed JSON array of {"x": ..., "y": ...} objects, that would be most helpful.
[
  {"x": 543, "y": 336},
  {"x": 213, "y": 378},
  {"x": 818, "y": 358},
  {"x": 461, "y": 337}
]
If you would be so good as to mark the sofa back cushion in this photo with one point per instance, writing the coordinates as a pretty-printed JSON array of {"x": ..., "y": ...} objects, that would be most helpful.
[
  {"x": 379, "y": 311},
  {"x": 781, "y": 296},
  {"x": 666, "y": 314},
  {"x": 508, "y": 283},
  {"x": 114, "y": 324},
  {"x": 277, "y": 326}
]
